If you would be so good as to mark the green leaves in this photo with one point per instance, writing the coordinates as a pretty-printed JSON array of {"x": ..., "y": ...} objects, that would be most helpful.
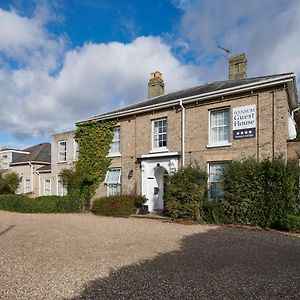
[
  {"x": 185, "y": 192},
  {"x": 94, "y": 140},
  {"x": 8, "y": 183},
  {"x": 260, "y": 192}
]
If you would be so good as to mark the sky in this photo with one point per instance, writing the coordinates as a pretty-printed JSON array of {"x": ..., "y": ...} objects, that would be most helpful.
[{"x": 64, "y": 60}]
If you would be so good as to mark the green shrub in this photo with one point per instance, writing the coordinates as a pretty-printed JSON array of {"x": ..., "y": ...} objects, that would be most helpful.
[
  {"x": 8, "y": 183},
  {"x": 213, "y": 212},
  {"x": 118, "y": 206},
  {"x": 260, "y": 193},
  {"x": 290, "y": 223},
  {"x": 44, "y": 204},
  {"x": 185, "y": 192}
]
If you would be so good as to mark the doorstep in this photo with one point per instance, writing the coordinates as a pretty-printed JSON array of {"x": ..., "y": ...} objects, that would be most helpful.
[{"x": 153, "y": 216}]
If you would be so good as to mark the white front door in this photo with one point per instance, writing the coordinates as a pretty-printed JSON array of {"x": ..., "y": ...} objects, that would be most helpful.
[{"x": 153, "y": 175}]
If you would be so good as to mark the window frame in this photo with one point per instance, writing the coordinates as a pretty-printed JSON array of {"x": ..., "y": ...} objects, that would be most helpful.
[
  {"x": 25, "y": 185},
  {"x": 224, "y": 143},
  {"x": 44, "y": 190},
  {"x": 76, "y": 150},
  {"x": 59, "y": 152},
  {"x": 114, "y": 141},
  {"x": 63, "y": 189},
  {"x": 110, "y": 185},
  {"x": 162, "y": 148},
  {"x": 6, "y": 162},
  {"x": 209, "y": 164}
]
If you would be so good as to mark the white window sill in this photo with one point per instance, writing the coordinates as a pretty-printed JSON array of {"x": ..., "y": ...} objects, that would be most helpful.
[
  {"x": 158, "y": 150},
  {"x": 218, "y": 145},
  {"x": 114, "y": 155},
  {"x": 62, "y": 162}
]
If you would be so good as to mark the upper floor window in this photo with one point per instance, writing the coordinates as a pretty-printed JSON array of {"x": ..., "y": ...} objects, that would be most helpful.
[
  {"x": 159, "y": 134},
  {"x": 62, "y": 151},
  {"x": 113, "y": 181},
  {"x": 76, "y": 150},
  {"x": 219, "y": 127},
  {"x": 115, "y": 145},
  {"x": 5, "y": 163},
  {"x": 215, "y": 188}
]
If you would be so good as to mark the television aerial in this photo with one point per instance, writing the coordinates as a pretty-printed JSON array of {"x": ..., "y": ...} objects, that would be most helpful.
[{"x": 226, "y": 52}]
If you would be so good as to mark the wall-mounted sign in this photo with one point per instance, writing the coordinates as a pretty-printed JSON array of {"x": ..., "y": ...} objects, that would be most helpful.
[{"x": 244, "y": 122}]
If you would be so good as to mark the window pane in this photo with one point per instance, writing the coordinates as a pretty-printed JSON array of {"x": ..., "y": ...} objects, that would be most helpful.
[
  {"x": 215, "y": 180},
  {"x": 219, "y": 123},
  {"x": 160, "y": 133},
  {"x": 115, "y": 145},
  {"x": 113, "y": 176}
]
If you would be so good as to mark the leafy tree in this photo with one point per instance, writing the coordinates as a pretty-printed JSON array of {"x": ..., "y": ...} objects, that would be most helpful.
[{"x": 8, "y": 183}]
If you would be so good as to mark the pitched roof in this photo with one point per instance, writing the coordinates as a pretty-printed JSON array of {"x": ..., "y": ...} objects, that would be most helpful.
[
  {"x": 213, "y": 88},
  {"x": 37, "y": 153},
  {"x": 45, "y": 169}
]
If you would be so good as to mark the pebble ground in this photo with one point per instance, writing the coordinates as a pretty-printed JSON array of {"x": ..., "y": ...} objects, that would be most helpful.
[{"x": 82, "y": 256}]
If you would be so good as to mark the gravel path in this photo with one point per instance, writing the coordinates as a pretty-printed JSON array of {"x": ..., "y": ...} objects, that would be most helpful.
[{"x": 82, "y": 256}]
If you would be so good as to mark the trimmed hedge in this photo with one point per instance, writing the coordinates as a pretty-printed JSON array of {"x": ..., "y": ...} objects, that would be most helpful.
[
  {"x": 260, "y": 193},
  {"x": 43, "y": 204},
  {"x": 118, "y": 206},
  {"x": 185, "y": 192},
  {"x": 213, "y": 212},
  {"x": 290, "y": 223}
]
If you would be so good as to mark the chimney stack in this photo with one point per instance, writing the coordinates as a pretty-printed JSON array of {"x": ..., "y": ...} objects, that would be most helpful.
[
  {"x": 238, "y": 67},
  {"x": 156, "y": 86},
  {"x": 5, "y": 147}
]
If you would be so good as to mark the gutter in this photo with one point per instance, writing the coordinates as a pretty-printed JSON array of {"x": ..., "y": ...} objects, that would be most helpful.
[
  {"x": 30, "y": 162},
  {"x": 182, "y": 133},
  {"x": 205, "y": 96}
]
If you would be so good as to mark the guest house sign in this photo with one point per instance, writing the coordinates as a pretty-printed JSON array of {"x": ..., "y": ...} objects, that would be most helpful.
[{"x": 244, "y": 122}]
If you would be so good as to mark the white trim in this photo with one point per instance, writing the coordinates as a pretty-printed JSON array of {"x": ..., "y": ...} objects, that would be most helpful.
[
  {"x": 223, "y": 143},
  {"x": 25, "y": 189},
  {"x": 44, "y": 190},
  {"x": 74, "y": 150},
  {"x": 115, "y": 154},
  {"x": 223, "y": 92},
  {"x": 158, "y": 149},
  {"x": 31, "y": 162},
  {"x": 15, "y": 151},
  {"x": 159, "y": 155},
  {"x": 58, "y": 152}
]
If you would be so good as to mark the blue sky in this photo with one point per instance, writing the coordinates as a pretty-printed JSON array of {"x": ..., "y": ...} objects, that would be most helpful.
[{"x": 64, "y": 60}]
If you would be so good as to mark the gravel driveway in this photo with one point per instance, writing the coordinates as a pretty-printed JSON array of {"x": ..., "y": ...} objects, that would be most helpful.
[{"x": 82, "y": 256}]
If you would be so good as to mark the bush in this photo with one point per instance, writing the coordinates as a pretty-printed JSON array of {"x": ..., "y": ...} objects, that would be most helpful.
[
  {"x": 118, "y": 206},
  {"x": 260, "y": 193},
  {"x": 43, "y": 204},
  {"x": 290, "y": 223},
  {"x": 8, "y": 183},
  {"x": 185, "y": 192},
  {"x": 213, "y": 212}
]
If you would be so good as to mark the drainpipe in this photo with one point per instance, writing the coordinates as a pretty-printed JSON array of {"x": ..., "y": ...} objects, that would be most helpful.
[
  {"x": 31, "y": 176},
  {"x": 37, "y": 172},
  {"x": 182, "y": 133}
]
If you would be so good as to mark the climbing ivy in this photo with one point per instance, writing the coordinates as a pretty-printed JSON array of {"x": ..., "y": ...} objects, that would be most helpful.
[{"x": 94, "y": 140}]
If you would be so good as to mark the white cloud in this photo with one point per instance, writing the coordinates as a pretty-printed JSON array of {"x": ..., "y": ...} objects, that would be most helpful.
[{"x": 91, "y": 79}]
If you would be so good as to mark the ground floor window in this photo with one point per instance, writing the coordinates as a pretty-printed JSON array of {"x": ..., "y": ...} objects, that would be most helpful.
[
  {"x": 113, "y": 181},
  {"x": 47, "y": 187},
  {"x": 61, "y": 187},
  {"x": 215, "y": 184},
  {"x": 27, "y": 186}
]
